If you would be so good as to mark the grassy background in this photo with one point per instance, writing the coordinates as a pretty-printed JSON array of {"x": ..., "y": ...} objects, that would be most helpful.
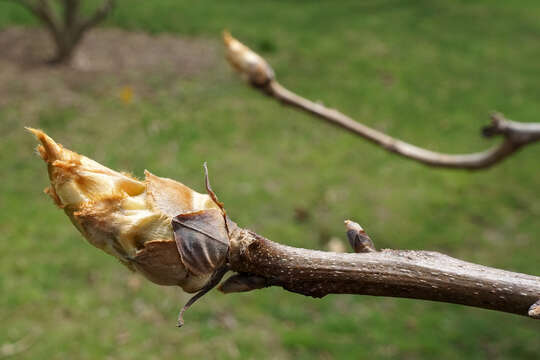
[{"x": 425, "y": 71}]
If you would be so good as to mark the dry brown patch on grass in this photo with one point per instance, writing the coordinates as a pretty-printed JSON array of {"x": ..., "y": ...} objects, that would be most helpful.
[{"x": 105, "y": 57}]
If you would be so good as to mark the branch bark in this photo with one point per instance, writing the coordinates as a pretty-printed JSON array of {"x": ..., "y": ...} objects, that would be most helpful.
[
  {"x": 261, "y": 76},
  {"x": 396, "y": 273}
]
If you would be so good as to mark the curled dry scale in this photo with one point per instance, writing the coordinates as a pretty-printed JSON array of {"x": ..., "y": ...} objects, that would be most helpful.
[
  {"x": 261, "y": 76},
  {"x": 174, "y": 235}
]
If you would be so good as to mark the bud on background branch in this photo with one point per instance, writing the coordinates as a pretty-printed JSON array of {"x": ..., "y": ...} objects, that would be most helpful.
[{"x": 247, "y": 62}]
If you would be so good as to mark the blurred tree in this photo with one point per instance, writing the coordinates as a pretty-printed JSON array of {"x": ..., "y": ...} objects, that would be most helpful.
[{"x": 64, "y": 20}]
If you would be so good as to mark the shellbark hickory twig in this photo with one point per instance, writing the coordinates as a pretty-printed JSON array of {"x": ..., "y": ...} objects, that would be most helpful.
[{"x": 174, "y": 235}]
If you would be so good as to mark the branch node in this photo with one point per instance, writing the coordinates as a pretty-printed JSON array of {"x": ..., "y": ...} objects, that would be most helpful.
[{"x": 497, "y": 126}]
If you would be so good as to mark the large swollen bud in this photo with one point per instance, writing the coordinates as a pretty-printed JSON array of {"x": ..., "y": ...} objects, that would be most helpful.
[{"x": 132, "y": 219}]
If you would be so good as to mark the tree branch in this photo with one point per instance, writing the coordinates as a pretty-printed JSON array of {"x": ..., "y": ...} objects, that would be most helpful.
[
  {"x": 43, "y": 11},
  {"x": 261, "y": 76},
  {"x": 396, "y": 273},
  {"x": 204, "y": 244},
  {"x": 99, "y": 15}
]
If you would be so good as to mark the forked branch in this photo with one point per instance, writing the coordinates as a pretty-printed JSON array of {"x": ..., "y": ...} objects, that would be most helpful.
[
  {"x": 261, "y": 76},
  {"x": 67, "y": 25}
]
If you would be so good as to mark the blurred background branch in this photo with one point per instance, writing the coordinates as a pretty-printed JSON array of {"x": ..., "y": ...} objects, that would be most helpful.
[{"x": 261, "y": 76}]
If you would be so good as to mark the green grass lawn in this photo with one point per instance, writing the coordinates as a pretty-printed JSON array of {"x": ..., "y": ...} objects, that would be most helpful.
[{"x": 428, "y": 72}]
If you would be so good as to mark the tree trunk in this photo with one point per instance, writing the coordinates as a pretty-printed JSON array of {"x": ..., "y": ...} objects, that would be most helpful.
[
  {"x": 67, "y": 31},
  {"x": 65, "y": 45}
]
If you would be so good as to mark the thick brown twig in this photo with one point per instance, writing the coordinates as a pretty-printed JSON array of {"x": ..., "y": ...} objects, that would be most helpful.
[
  {"x": 181, "y": 237},
  {"x": 396, "y": 273},
  {"x": 261, "y": 76}
]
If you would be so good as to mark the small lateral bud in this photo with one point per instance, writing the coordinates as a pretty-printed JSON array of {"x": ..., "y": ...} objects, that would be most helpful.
[
  {"x": 242, "y": 283},
  {"x": 359, "y": 240},
  {"x": 247, "y": 62}
]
